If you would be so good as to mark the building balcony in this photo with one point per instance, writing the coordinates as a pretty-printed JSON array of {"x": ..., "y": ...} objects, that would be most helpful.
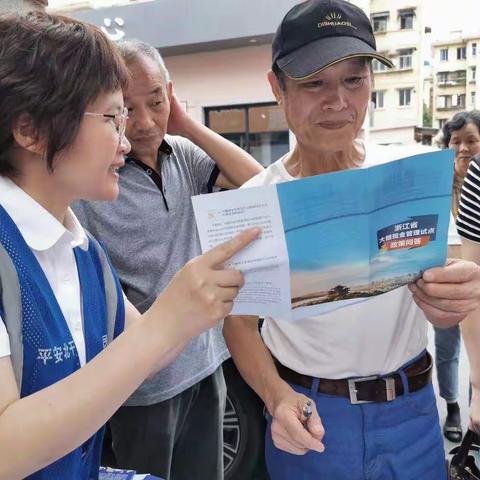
[
  {"x": 452, "y": 83},
  {"x": 446, "y": 109}
]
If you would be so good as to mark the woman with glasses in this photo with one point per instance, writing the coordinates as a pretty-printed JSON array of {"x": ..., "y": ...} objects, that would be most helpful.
[
  {"x": 65, "y": 363},
  {"x": 462, "y": 134}
]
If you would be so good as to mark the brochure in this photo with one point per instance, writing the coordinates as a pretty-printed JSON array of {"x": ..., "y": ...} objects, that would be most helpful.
[
  {"x": 107, "y": 473},
  {"x": 333, "y": 239}
]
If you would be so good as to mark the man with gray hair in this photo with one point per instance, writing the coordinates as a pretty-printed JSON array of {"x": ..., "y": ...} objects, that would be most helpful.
[{"x": 172, "y": 425}]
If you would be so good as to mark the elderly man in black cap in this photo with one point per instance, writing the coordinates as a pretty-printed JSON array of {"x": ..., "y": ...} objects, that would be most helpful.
[{"x": 348, "y": 392}]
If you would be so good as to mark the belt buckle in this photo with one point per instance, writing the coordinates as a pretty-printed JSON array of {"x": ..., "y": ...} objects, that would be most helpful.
[{"x": 389, "y": 389}]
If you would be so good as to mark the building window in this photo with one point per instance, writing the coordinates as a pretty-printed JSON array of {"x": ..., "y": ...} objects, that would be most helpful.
[
  {"x": 406, "y": 19},
  {"x": 380, "y": 22},
  {"x": 378, "y": 99},
  {"x": 378, "y": 66},
  {"x": 458, "y": 77},
  {"x": 260, "y": 129},
  {"x": 472, "y": 99},
  {"x": 461, "y": 53},
  {"x": 444, "y": 54},
  {"x": 405, "y": 59},
  {"x": 442, "y": 101},
  {"x": 474, "y": 73},
  {"x": 442, "y": 78},
  {"x": 451, "y": 101},
  {"x": 474, "y": 49},
  {"x": 405, "y": 97},
  {"x": 441, "y": 122}
]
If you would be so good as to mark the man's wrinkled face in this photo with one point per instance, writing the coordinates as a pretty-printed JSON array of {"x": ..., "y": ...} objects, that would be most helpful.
[
  {"x": 326, "y": 111},
  {"x": 148, "y": 101}
]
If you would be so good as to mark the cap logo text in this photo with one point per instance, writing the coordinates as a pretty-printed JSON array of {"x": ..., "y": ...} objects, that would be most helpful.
[{"x": 334, "y": 19}]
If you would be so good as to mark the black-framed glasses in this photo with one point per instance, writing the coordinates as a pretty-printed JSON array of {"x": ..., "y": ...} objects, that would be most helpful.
[{"x": 119, "y": 119}]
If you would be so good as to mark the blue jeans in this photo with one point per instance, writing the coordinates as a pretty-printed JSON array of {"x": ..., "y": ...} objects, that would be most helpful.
[
  {"x": 398, "y": 440},
  {"x": 447, "y": 353}
]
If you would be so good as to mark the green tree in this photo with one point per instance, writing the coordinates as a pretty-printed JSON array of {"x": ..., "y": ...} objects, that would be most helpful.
[{"x": 427, "y": 116}]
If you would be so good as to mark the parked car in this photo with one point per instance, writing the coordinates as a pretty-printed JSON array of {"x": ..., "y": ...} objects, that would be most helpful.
[{"x": 243, "y": 429}]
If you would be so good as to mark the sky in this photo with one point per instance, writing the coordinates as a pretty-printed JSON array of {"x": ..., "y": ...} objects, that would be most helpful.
[{"x": 445, "y": 16}]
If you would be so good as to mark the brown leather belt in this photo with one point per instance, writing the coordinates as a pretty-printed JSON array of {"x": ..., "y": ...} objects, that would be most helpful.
[{"x": 383, "y": 388}]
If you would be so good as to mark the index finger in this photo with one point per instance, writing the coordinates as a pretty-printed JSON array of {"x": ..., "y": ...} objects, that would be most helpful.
[{"x": 221, "y": 253}]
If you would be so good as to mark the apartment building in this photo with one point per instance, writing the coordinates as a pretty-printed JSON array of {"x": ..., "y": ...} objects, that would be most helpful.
[
  {"x": 456, "y": 65},
  {"x": 398, "y": 96}
]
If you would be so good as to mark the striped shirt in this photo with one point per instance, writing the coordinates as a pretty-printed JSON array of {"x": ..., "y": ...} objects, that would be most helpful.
[{"x": 468, "y": 220}]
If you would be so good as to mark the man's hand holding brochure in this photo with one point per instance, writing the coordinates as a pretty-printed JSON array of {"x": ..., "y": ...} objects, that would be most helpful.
[{"x": 334, "y": 239}]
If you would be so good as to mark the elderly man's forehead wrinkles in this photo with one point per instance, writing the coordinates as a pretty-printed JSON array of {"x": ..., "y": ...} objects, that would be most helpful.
[
  {"x": 145, "y": 91},
  {"x": 155, "y": 79},
  {"x": 158, "y": 90}
]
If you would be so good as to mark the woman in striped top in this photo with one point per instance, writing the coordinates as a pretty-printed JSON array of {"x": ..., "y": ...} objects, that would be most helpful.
[
  {"x": 468, "y": 219},
  {"x": 462, "y": 134},
  {"x": 468, "y": 226}
]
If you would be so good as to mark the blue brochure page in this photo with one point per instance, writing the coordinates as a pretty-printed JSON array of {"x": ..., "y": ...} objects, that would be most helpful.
[
  {"x": 359, "y": 233},
  {"x": 334, "y": 239}
]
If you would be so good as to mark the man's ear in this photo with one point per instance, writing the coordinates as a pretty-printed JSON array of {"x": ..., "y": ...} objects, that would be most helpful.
[
  {"x": 26, "y": 136},
  {"x": 275, "y": 86}
]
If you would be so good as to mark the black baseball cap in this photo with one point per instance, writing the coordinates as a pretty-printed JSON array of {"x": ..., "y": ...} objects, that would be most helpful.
[{"x": 318, "y": 33}]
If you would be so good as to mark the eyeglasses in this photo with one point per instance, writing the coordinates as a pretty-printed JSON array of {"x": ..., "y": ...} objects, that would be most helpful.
[{"x": 119, "y": 119}]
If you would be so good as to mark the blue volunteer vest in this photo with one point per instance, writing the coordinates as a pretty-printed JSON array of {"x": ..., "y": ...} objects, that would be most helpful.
[{"x": 42, "y": 348}]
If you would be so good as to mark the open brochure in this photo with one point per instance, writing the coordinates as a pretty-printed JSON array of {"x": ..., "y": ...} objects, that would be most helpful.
[{"x": 336, "y": 238}]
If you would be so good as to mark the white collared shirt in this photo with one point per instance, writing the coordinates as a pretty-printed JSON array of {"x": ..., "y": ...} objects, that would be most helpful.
[
  {"x": 52, "y": 244},
  {"x": 369, "y": 337}
]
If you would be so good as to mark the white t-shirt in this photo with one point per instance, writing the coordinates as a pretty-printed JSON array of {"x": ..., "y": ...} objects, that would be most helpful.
[
  {"x": 52, "y": 244},
  {"x": 453, "y": 236},
  {"x": 373, "y": 336}
]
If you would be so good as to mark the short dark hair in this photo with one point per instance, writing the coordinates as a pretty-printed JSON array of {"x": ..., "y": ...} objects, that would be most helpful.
[
  {"x": 457, "y": 122},
  {"x": 51, "y": 68}
]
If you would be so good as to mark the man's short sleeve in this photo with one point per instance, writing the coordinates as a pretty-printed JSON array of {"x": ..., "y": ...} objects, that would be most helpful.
[
  {"x": 4, "y": 341},
  {"x": 468, "y": 219},
  {"x": 80, "y": 209},
  {"x": 203, "y": 168}
]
